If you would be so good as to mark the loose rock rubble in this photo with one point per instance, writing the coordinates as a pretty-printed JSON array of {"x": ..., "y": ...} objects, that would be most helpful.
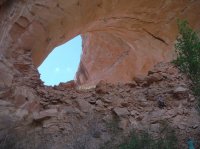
[
  {"x": 136, "y": 103},
  {"x": 65, "y": 114}
]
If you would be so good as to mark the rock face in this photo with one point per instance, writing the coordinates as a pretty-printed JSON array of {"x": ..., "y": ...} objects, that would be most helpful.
[
  {"x": 121, "y": 39},
  {"x": 32, "y": 115}
]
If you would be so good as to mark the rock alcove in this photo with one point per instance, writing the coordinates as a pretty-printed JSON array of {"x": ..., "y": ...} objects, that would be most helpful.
[{"x": 121, "y": 39}]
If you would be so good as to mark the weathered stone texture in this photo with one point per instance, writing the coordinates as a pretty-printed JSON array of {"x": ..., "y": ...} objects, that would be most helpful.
[{"x": 121, "y": 39}]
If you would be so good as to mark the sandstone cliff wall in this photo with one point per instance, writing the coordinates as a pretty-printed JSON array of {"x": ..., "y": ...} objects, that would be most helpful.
[{"x": 121, "y": 38}]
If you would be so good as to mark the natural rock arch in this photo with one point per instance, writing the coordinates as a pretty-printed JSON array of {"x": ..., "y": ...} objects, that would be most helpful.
[{"x": 121, "y": 38}]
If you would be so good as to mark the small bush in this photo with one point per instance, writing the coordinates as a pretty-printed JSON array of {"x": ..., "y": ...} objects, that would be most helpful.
[
  {"x": 113, "y": 126},
  {"x": 188, "y": 54},
  {"x": 141, "y": 140},
  {"x": 8, "y": 142},
  {"x": 145, "y": 141}
]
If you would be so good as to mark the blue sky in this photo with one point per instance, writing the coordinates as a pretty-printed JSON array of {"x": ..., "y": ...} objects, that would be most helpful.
[{"x": 62, "y": 63}]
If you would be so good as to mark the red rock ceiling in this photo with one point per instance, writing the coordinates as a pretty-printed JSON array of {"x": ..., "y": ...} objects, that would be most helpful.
[{"x": 121, "y": 38}]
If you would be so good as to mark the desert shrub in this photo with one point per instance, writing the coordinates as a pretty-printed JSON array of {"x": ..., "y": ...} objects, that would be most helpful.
[
  {"x": 8, "y": 141},
  {"x": 188, "y": 54},
  {"x": 145, "y": 141},
  {"x": 141, "y": 140},
  {"x": 113, "y": 125},
  {"x": 13, "y": 138}
]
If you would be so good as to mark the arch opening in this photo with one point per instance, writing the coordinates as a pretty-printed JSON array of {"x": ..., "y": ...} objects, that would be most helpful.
[
  {"x": 120, "y": 41},
  {"x": 62, "y": 63}
]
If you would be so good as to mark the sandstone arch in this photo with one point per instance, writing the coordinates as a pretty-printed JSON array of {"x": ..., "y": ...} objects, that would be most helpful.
[{"x": 121, "y": 38}]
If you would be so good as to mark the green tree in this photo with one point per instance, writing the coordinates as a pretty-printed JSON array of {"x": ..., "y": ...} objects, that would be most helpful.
[{"x": 188, "y": 54}]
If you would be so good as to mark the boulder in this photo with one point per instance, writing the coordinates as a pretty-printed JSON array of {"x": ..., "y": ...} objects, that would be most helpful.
[
  {"x": 181, "y": 92},
  {"x": 5, "y": 103},
  {"x": 39, "y": 116},
  {"x": 154, "y": 78},
  {"x": 84, "y": 105},
  {"x": 121, "y": 112},
  {"x": 101, "y": 87}
]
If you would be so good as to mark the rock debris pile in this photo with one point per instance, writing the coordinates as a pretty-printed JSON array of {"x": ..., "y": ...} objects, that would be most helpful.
[{"x": 68, "y": 115}]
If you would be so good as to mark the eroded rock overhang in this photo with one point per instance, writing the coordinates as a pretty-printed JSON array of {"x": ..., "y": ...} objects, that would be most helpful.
[{"x": 121, "y": 38}]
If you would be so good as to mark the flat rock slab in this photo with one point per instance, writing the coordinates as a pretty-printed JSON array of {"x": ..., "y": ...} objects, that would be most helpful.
[
  {"x": 121, "y": 112},
  {"x": 39, "y": 116}
]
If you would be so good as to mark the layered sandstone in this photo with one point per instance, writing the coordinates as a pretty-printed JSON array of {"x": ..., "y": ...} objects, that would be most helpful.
[{"x": 121, "y": 39}]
